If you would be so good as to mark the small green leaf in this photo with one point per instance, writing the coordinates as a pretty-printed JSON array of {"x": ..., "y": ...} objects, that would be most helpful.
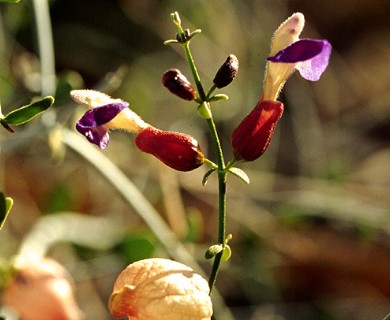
[
  {"x": 240, "y": 174},
  {"x": 5, "y": 207},
  {"x": 204, "y": 110},
  {"x": 207, "y": 175},
  {"x": 219, "y": 97},
  {"x": 26, "y": 113},
  {"x": 226, "y": 254}
]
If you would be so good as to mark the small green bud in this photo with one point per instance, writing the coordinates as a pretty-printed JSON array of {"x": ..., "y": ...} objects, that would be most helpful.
[
  {"x": 213, "y": 250},
  {"x": 176, "y": 18}
]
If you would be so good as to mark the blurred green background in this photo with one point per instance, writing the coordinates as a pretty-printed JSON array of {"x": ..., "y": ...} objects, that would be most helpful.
[{"x": 311, "y": 233}]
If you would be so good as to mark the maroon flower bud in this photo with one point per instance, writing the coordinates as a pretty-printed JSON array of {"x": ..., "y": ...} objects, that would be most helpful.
[
  {"x": 227, "y": 72},
  {"x": 253, "y": 135},
  {"x": 178, "y": 84},
  {"x": 177, "y": 150}
]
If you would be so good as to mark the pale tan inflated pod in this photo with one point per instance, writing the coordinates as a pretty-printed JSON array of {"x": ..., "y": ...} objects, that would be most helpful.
[{"x": 160, "y": 289}]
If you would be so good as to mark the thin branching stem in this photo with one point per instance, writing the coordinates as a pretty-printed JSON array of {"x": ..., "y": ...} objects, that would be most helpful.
[{"x": 221, "y": 170}]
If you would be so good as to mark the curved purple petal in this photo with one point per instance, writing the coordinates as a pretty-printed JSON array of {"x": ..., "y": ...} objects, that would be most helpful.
[
  {"x": 91, "y": 125},
  {"x": 312, "y": 69},
  {"x": 299, "y": 51},
  {"x": 101, "y": 115},
  {"x": 310, "y": 56},
  {"x": 97, "y": 135}
]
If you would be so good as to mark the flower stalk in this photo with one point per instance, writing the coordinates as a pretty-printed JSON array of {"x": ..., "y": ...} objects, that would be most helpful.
[{"x": 220, "y": 161}]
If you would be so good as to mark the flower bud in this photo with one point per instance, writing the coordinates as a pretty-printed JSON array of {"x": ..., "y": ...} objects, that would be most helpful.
[
  {"x": 177, "y": 83},
  {"x": 41, "y": 290},
  {"x": 158, "y": 289},
  {"x": 177, "y": 150},
  {"x": 288, "y": 32},
  {"x": 253, "y": 135},
  {"x": 227, "y": 72}
]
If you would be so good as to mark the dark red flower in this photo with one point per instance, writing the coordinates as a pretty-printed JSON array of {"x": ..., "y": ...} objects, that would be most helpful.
[
  {"x": 253, "y": 135},
  {"x": 177, "y": 150}
]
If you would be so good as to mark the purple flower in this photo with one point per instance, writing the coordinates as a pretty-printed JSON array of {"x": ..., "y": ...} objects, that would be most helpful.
[
  {"x": 104, "y": 113},
  {"x": 289, "y": 53},
  {"x": 311, "y": 57},
  {"x": 93, "y": 125}
]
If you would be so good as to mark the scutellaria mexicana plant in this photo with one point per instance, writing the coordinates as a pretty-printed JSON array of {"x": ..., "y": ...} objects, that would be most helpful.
[{"x": 134, "y": 291}]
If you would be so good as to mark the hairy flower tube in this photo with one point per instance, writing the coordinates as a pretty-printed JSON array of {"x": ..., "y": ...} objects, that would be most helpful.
[
  {"x": 160, "y": 289},
  {"x": 41, "y": 290},
  {"x": 253, "y": 135},
  {"x": 289, "y": 53},
  {"x": 177, "y": 150}
]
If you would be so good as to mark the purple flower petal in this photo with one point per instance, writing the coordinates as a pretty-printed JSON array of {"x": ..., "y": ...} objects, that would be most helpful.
[
  {"x": 312, "y": 69},
  {"x": 97, "y": 135},
  {"x": 310, "y": 56},
  {"x": 91, "y": 125}
]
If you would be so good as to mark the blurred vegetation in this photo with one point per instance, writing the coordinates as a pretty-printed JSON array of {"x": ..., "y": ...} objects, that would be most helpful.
[{"x": 311, "y": 233}]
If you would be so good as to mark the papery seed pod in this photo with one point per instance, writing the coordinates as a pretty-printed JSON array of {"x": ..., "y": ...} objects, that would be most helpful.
[
  {"x": 41, "y": 290},
  {"x": 160, "y": 289},
  {"x": 177, "y": 150},
  {"x": 178, "y": 84},
  {"x": 227, "y": 72},
  {"x": 253, "y": 135}
]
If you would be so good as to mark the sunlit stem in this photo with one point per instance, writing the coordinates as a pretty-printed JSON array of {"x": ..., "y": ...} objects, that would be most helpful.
[{"x": 221, "y": 170}]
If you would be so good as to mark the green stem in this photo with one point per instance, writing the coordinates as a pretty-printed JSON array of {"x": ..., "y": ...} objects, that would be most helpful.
[
  {"x": 191, "y": 62},
  {"x": 222, "y": 178},
  {"x": 221, "y": 170},
  {"x": 194, "y": 71},
  {"x": 222, "y": 175},
  {"x": 211, "y": 91}
]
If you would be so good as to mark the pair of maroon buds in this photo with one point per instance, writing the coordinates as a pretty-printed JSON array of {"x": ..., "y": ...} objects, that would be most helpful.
[{"x": 253, "y": 135}]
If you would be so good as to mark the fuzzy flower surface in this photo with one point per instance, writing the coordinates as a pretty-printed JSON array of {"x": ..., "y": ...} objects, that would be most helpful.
[
  {"x": 104, "y": 113},
  {"x": 252, "y": 137},
  {"x": 160, "y": 289},
  {"x": 177, "y": 150},
  {"x": 289, "y": 53}
]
